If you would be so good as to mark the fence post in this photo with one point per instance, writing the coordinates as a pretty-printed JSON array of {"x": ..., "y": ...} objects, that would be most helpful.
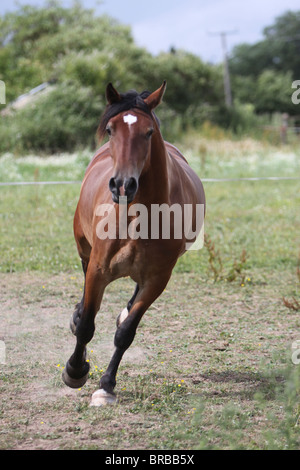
[{"x": 283, "y": 128}]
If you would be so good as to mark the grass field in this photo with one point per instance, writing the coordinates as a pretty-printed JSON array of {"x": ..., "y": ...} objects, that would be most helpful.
[{"x": 210, "y": 367}]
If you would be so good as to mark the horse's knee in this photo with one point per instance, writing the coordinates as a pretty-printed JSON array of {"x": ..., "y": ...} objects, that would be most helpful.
[
  {"x": 85, "y": 331},
  {"x": 125, "y": 334},
  {"x": 75, "y": 318}
]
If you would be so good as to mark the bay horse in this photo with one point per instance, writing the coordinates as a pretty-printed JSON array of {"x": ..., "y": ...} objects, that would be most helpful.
[{"x": 136, "y": 164}]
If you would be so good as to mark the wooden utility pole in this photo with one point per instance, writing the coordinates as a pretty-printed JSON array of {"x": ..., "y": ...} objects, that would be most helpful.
[{"x": 226, "y": 74}]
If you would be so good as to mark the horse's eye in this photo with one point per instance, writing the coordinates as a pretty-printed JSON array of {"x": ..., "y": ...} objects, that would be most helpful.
[{"x": 149, "y": 133}]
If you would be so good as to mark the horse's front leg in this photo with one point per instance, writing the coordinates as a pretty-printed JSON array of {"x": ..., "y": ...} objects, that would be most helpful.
[
  {"x": 79, "y": 307},
  {"x": 126, "y": 329},
  {"x": 76, "y": 371}
]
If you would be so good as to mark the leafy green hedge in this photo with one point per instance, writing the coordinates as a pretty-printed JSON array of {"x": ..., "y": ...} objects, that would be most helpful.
[
  {"x": 81, "y": 52},
  {"x": 64, "y": 118}
]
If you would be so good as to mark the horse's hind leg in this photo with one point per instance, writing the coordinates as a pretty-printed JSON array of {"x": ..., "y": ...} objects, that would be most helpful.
[{"x": 76, "y": 371}]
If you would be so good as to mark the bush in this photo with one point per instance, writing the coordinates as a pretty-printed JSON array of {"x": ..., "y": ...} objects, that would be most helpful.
[
  {"x": 239, "y": 119},
  {"x": 62, "y": 120}
]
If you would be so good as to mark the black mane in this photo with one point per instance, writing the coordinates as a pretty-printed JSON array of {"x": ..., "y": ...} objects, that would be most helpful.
[{"x": 130, "y": 100}]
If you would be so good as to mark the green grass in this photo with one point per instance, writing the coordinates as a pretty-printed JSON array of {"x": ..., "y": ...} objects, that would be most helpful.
[
  {"x": 62, "y": 167},
  {"x": 37, "y": 228},
  {"x": 261, "y": 217},
  {"x": 211, "y": 363}
]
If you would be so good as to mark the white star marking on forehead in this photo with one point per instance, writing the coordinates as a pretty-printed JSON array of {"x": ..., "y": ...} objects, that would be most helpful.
[{"x": 129, "y": 119}]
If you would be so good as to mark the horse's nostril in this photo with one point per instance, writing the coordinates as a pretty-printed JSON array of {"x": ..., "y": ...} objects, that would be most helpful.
[
  {"x": 120, "y": 187},
  {"x": 112, "y": 184},
  {"x": 115, "y": 184},
  {"x": 131, "y": 186}
]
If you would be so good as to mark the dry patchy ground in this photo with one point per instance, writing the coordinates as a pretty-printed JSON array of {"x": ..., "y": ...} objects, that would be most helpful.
[{"x": 201, "y": 373}]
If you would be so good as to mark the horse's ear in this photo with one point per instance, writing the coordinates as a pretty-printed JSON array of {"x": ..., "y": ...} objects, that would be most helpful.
[
  {"x": 112, "y": 95},
  {"x": 155, "y": 98}
]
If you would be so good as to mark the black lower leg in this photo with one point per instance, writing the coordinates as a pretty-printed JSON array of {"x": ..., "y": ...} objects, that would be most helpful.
[
  {"x": 123, "y": 338},
  {"x": 79, "y": 307},
  {"x": 136, "y": 290},
  {"x": 130, "y": 303},
  {"x": 84, "y": 333},
  {"x": 77, "y": 368}
]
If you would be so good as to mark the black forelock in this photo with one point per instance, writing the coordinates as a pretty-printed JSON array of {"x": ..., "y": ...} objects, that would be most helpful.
[{"x": 130, "y": 100}]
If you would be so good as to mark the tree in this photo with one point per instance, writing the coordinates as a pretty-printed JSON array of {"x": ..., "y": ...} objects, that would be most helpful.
[
  {"x": 262, "y": 73},
  {"x": 273, "y": 92},
  {"x": 81, "y": 52},
  {"x": 279, "y": 50},
  {"x": 33, "y": 40},
  {"x": 191, "y": 82},
  {"x": 285, "y": 35},
  {"x": 249, "y": 60}
]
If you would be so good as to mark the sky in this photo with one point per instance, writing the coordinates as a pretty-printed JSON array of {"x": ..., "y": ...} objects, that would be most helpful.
[{"x": 192, "y": 25}]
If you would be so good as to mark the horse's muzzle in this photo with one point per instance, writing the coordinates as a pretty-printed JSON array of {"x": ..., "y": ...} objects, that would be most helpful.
[{"x": 119, "y": 187}]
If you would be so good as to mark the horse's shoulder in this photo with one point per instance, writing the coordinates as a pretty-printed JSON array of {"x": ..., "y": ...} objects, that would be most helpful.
[
  {"x": 174, "y": 152},
  {"x": 102, "y": 153}
]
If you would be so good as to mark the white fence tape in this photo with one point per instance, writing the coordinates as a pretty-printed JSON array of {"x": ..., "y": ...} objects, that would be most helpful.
[{"x": 204, "y": 180}]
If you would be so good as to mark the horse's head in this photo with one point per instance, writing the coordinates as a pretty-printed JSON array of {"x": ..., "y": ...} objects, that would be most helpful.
[{"x": 129, "y": 122}]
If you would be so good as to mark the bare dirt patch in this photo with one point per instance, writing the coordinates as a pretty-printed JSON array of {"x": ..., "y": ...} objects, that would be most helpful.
[{"x": 200, "y": 344}]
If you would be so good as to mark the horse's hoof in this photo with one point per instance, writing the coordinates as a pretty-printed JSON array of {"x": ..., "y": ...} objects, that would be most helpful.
[
  {"x": 102, "y": 398},
  {"x": 73, "y": 382}
]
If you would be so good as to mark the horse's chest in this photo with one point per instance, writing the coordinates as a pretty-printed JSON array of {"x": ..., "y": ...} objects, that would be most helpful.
[{"x": 122, "y": 262}]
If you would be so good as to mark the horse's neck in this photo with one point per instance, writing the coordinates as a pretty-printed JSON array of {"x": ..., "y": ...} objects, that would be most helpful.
[{"x": 156, "y": 178}]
